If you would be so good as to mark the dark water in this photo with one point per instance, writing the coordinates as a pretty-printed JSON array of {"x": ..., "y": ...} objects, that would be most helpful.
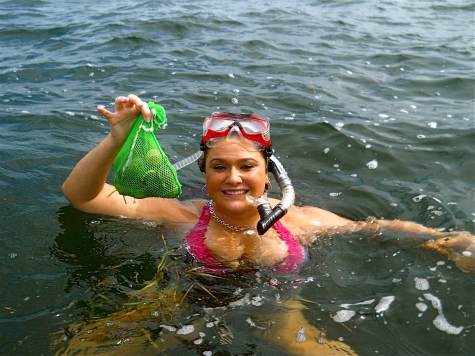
[{"x": 348, "y": 86}]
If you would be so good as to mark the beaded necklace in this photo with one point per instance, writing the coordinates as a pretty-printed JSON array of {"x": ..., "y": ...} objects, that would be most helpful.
[{"x": 224, "y": 223}]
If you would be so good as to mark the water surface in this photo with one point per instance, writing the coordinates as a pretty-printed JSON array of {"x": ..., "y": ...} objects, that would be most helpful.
[{"x": 371, "y": 107}]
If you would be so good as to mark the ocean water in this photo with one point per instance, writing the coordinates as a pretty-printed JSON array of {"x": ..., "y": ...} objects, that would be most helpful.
[{"x": 372, "y": 112}]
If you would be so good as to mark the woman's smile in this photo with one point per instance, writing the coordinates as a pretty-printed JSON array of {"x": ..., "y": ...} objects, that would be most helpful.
[{"x": 235, "y": 193}]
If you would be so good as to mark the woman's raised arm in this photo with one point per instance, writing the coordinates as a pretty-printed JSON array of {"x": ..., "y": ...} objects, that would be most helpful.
[{"x": 86, "y": 186}]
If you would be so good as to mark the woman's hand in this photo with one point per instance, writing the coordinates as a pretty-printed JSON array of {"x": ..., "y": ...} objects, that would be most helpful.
[
  {"x": 127, "y": 108},
  {"x": 459, "y": 246}
]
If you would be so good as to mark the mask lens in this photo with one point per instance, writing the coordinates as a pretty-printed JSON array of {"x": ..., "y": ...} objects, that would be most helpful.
[
  {"x": 254, "y": 126},
  {"x": 219, "y": 124}
]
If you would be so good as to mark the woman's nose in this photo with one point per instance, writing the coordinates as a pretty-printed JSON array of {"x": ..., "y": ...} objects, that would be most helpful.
[{"x": 234, "y": 176}]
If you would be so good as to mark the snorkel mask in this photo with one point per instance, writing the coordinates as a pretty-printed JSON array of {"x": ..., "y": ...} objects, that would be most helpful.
[
  {"x": 251, "y": 127},
  {"x": 256, "y": 129}
]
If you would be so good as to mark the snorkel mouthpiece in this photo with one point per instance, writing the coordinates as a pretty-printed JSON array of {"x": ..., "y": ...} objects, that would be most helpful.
[{"x": 268, "y": 215}]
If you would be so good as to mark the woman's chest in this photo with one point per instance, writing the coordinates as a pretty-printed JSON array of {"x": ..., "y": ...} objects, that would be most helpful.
[{"x": 266, "y": 250}]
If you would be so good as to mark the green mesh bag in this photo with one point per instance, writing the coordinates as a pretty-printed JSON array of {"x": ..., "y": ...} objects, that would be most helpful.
[{"x": 142, "y": 169}]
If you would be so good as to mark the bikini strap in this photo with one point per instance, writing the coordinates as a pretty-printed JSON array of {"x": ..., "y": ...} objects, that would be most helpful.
[
  {"x": 295, "y": 254},
  {"x": 195, "y": 240}
]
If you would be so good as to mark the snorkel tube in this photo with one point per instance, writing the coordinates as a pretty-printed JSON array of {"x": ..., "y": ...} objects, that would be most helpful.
[{"x": 268, "y": 215}]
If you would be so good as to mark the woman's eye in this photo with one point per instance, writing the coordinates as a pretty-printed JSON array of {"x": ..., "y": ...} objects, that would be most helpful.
[
  {"x": 218, "y": 168},
  {"x": 247, "y": 167}
]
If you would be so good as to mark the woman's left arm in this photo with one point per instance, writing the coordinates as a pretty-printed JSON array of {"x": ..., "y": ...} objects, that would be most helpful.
[
  {"x": 459, "y": 246},
  {"x": 313, "y": 223}
]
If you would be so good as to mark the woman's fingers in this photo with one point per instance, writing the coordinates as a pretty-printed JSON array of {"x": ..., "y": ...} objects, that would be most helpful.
[
  {"x": 104, "y": 112},
  {"x": 141, "y": 106},
  {"x": 126, "y": 107},
  {"x": 120, "y": 101}
]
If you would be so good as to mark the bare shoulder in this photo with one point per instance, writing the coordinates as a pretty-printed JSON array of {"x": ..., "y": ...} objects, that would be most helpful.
[
  {"x": 307, "y": 223},
  {"x": 311, "y": 216}
]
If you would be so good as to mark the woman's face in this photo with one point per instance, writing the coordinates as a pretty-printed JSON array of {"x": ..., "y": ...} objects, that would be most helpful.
[{"x": 234, "y": 168}]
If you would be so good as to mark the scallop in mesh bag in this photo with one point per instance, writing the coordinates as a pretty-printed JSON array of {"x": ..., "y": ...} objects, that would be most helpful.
[{"x": 141, "y": 168}]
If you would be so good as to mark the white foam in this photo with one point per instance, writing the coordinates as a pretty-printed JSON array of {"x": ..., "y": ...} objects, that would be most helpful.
[
  {"x": 168, "y": 327},
  {"x": 422, "y": 307},
  {"x": 257, "y": 300},
  {"x": 240, "y": 302},
  {"x": 326, "y": 150},
  {"x": 372, "y": 164},
  {"x": 237, "y": 291},
  {"x": 342, "y": 316},
  {"x": 384, "y": 303},
  {"x": 421, "y": 283},
  {"x": 185, "y": 330},
  {"x": 365, "y": 302},
  {"x": 432, "y": 124},
  {"x": 440, "y": 322},
  {"x": 418, "y": 198},
  {"x": 253, "y": 324},
  {"x": 250, "y": 322}
]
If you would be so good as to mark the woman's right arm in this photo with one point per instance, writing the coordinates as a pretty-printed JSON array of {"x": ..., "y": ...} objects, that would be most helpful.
[{"x": 86, "y": 186}]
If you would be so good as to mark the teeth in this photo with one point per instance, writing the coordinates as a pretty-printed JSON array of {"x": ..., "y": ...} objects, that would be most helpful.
[{"x": 234, "y": 192}]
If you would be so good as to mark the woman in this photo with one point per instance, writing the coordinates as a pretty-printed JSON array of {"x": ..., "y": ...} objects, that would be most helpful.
[{"x": 235, "y": 167}]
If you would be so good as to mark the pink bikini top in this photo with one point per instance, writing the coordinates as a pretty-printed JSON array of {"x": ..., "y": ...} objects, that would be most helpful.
[{"x": 195, "y": 241}]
